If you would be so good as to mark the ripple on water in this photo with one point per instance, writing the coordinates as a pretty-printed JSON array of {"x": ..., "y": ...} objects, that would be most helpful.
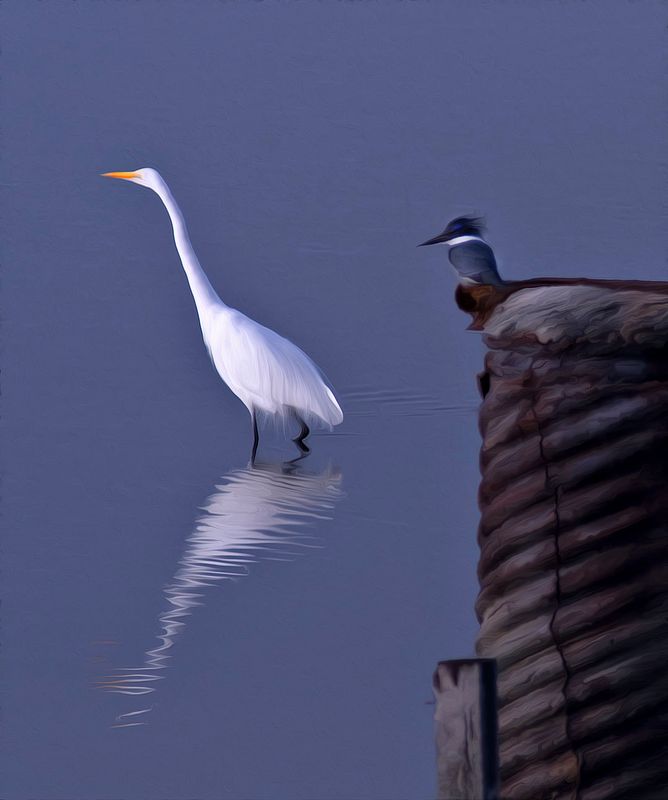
[{"x": 369, "y": 402}]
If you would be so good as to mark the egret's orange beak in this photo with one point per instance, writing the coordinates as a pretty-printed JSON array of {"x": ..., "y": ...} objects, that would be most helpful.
[{"x": 124, "y": 175}]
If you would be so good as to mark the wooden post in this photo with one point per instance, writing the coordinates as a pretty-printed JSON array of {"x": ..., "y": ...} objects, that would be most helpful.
[
  {"x": 573, "y": 535},
  {"x": 465, "y": 729}
]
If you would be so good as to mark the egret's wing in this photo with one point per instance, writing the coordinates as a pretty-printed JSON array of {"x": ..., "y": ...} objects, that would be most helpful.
[{"x": 269, "y": 371}]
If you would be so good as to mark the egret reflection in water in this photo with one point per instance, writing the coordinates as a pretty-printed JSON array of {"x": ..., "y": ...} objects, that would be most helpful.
[{"x": 258, "y": 513}]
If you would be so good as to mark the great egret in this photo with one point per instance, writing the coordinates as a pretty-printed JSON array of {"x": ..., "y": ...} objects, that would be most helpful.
[{"x": 269, "y": 374}]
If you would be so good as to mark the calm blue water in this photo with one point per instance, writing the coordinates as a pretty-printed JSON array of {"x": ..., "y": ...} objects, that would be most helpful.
[{"x": 175, "y": 625}]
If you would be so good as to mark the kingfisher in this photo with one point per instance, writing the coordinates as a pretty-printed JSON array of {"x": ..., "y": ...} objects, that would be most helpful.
[{"x": 470, "y": 255}]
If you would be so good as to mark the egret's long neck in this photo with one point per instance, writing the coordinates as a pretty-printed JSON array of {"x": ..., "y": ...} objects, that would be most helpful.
[{"x": 202, "y": 291}]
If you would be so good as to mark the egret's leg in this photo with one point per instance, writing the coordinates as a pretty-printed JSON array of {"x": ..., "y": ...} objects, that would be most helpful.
[
  {"x": 256, "y": 438},
  {"x": 303, "y": 433}
]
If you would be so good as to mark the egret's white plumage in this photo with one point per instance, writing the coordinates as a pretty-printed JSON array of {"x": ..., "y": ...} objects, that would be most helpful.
[{"x": 268, "y": 373}]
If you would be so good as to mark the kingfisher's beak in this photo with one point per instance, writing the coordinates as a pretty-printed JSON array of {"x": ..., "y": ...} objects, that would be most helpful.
[
  {"x": 436, "y": 240},
  {"x": 126, "y": 176}
]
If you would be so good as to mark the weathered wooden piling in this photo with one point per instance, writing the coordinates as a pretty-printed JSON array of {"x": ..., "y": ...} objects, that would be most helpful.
[
  {"x": 573, "y": 536},
  {"x": 465, "y": 720}
]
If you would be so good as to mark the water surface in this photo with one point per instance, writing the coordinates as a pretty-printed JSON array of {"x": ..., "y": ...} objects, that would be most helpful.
[{"x": 175, "y": 625}]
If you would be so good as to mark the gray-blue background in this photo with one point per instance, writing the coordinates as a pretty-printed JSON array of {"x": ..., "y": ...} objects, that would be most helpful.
[{"x": 311, "y": 146}]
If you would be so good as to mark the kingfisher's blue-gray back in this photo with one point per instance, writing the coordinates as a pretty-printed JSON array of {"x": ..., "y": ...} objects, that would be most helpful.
[{"x": 470, "y": 255}]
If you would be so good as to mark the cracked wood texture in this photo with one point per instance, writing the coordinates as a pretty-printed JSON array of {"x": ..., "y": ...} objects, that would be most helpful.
[
  {"x": 573, "y": 567},
  {"x": 465, "y": 727}
]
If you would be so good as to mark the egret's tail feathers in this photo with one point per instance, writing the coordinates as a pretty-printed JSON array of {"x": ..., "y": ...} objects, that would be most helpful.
[
  {"x": 336, "y": 416},
  {"x": 322, "y": 407}
]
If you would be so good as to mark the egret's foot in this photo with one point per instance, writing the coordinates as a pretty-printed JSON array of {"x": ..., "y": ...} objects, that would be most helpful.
[
  {"x": 303, "y": 447},
  {"x": 299, "y": 439},
  {"x": 256, "y": 441}
]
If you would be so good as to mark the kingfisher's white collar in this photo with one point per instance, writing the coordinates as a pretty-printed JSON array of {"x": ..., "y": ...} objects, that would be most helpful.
[{"x": 463, "y": 239}]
